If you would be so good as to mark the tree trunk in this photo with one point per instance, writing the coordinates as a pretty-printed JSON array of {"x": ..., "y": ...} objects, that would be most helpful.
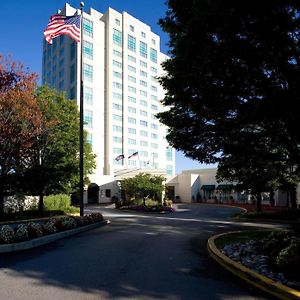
[
  {"x": 258, "y": 202},
  {"x": 293, "y": 198},
  {"x": 272, "y": 198},
  {"x": 41, "y": 203}
]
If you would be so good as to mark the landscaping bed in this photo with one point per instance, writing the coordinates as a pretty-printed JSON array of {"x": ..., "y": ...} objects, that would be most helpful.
[
  {"x": 274, "y": 254},
  {"x": 10, "y": 234},
  {"x": 149, "y": 209}
]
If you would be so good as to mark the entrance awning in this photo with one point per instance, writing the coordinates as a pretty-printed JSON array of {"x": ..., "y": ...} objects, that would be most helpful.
[
  {"x": 208, "y": 187},
  {"x": 225, "y": 187}
]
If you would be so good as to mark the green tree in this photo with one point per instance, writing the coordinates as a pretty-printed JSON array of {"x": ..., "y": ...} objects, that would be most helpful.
[
  {"x": 143, "y": 186},
  {"x": 19, "y": 119},
  {"x": 234, "y": 70},
  {"x": 55, "y": 163}
]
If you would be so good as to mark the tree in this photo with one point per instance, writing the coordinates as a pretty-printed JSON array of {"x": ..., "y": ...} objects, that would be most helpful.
[
  {"x": 234, "y": 70},
  {"x": 55, "y": 163},
  {"x": 19, "y": 119},
  {"x": 143, "y": 186}
]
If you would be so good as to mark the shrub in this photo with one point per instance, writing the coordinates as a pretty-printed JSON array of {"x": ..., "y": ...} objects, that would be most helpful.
[
  {"x": 57, "y": 202},
  {"x": 97, "y": 217},
  {"x": 79, "y": 221},
  {"x": 88, "y": 220},
  {"x": 7, "y": 234},
  {"x": 21, "y": 233},
  {"x": 34, "y": 230},
  {"x": 68, "y": 222},
  {"x": 289, "y": 257},
  {"x": 49, "y": 227},
  {"x": 168, "y": 203}
]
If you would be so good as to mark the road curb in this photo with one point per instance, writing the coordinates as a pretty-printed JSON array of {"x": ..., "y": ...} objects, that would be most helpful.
[
  {"x": 6, "y": 248},
  {"x": 272, "y": 287}
]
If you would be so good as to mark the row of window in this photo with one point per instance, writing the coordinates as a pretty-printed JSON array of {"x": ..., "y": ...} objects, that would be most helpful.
[
  {"x": 117, "y": 128},
  {"x": 118, "y": 139}
]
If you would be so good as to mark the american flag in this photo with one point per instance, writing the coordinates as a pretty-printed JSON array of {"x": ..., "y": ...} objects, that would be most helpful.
[
  {"x": 133, "y": 154},
  {"x": 60, "y": 24},
  {"x": 119, "y": 157}
]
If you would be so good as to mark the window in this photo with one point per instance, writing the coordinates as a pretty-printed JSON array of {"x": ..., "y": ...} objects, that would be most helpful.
[
  {"x": 61, "y": 84},
  {"x": 61, "y": 40},
  {"x": 143, "y": 113},
  {"x": 117, "y": 37},
  {"x": 72, "y": 50},
  {"x": 154, "y": 98},
  {"x": 154, "y": 145},
  {"x": 154, "y": 136},
  {"x": 72, "y": 93},
  {"x": 131, "y": 28},
  {"x": 144, "y": 143},
  {"x": 143, "y": 34},
  {"x": 132, "y": 130},
  {"x": 131, "y": 141},
  {"x": 143, "y": 73},
  {"x": 153, "y": 117},
  {"x": 143, "y": 83},
  {"x": 154, "y": 126},
  {"x": 61, "y": 73},
  {"x": 132, "y": 120},
  {"x": 154, "y": 107},
  {"x": 117, "y": 128},
  {"x": 153, "y": 55},
  {"x": 154, "y": 79},
  {"x": 131, "y": 58},
  {"x": 87, "y": 50},
  {"x": 88, "y": 95},
  {"x": 117, "y": 22},
  {"x": 144, "y": 153},
  {"x": 117, "y": 85},
  {"x": 154, "y": 70},
  {"x": 143, "y": 49},
  {"x": 61, "y": 62},
  {"x": 88, "y": 118},
  {"x": 143, "y": 93},
  {"x": 143, "y": 133},
  {"x": 169, "y": 154},
  {"x": 131, "y": 110},
  {"x": 154, "y": 155},
  {"x": 132, "y": 162},
  {"x": 117, "y": 53},
  {"x": 117, "y": 106},
  {"x": 143, "y": 103},
  {"x": 131, "y": 79},
  {"x": 61, "y": 51},
  {"x": 143, "y": 123},
  {"x": 143, "y": 64},
  {"x": 131, "y": 69},
  {"x": 131, "y": 44},
  {"x": 87, "y": 27},
  {"x": 89, "y": 138},
  {"x": 87, "y": 72},
  {"x": 153, "y": 88},
  {"x": 117, "y": 74},
  {"x": 117, "y": 96},
  {"x": 153, "y": 42},
  {"x": 131, "y": 89},
  {"x": 117, "y": 139},
  {"x": 117, "y": 118},
  {"x": 169, "y": 170},
  {"x": 117, "y": 150},
  {"x": 117, "y": 64},
  {"x": 131, "y": 99}
]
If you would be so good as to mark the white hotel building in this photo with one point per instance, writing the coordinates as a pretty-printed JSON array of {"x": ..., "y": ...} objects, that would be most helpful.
[{"x": 121, "y": 61}]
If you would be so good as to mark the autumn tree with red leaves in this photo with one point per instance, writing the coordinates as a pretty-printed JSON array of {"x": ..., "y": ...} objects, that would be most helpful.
[{"x": 19, "y": 121}]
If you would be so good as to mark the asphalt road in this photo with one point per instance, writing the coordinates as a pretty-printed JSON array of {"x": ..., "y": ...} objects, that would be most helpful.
[{"x": 135, "y": 257}]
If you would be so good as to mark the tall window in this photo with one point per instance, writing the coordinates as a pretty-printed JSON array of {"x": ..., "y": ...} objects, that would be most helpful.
[
  {"x": 72, "y": 73},
  {"x": 131, "y": 43},
  {"x": 88, "y": 118},
  {"x": 153, "y": 55},
  {"x": 87, "y": 72},
  {"x": 117, "y": 37},
  {"x": 87, "y": 27},
  {"x": 169, "y": 154},
  {"x": 143, "y": 49},
  {"x": 88, "y": 50},
  {"x": 88, "y": 95}
]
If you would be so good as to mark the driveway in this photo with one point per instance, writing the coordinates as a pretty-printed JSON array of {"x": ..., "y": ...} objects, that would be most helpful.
[{"x": 135, "y": 257}]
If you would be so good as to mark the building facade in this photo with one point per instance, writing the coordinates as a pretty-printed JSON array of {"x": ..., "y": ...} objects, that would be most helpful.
[{"x": 121, "y": 63}]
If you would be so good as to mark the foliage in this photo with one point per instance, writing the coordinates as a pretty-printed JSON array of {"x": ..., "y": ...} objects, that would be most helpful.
[
  {"x": 232, "y": 87},
  {"x": 21, "y": 233},
  {"x": 143, "y": 186},
  {"x": 56, "y": 161},
  {"x": 19, "y": 121},
  {"x": 58, "y": 202},
  {"x": 34, "y": 230},
  {"x": 289, "y": 256},
  {"x": 7, "y": 234}
]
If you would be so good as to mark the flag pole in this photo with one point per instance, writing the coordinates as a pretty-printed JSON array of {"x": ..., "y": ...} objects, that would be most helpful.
[{"x": 81, "y": 136}]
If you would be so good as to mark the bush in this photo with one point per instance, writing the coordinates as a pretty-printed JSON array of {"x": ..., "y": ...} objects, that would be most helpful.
[
  {"x": 168, "y": 203},
  {"x": 21, "y": 233},
  {"x": 289, "y": 257},
  {"x": 7, "y": 234},
  {"x": 49, "y": 227},
  {"x": 68, "y": 222},
  {"x": 59, "y": 202},
  {"x": 34, "y": 230}
]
